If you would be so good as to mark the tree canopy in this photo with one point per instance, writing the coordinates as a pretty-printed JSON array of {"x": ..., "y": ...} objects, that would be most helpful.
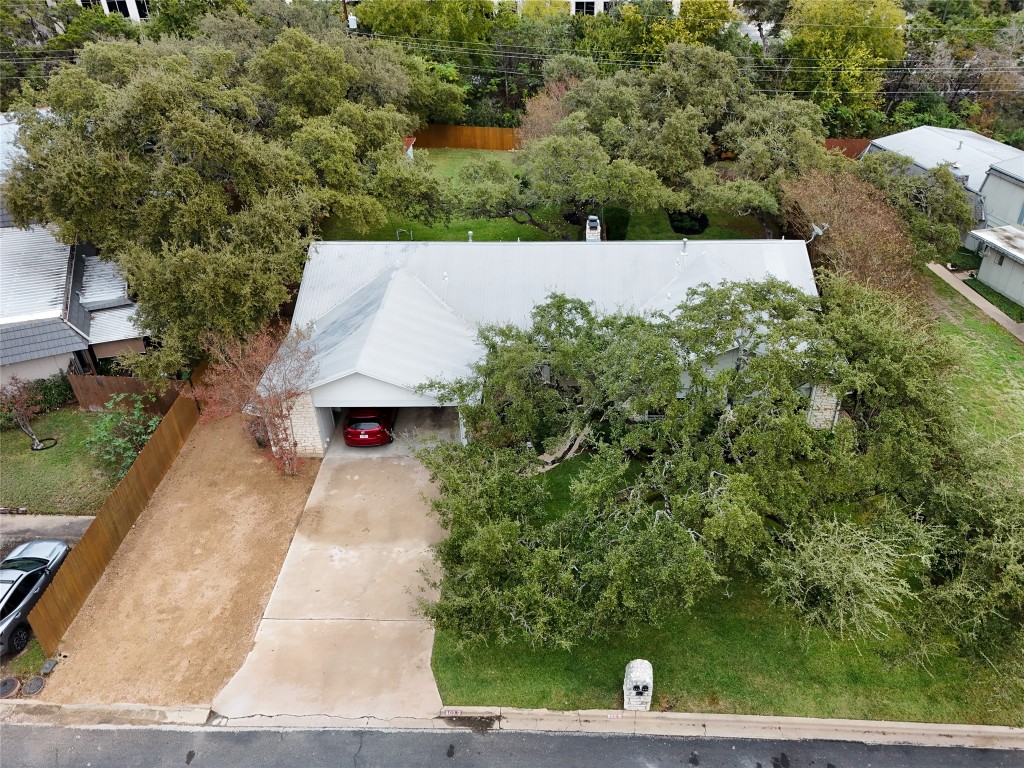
[
  {"x": 204, "y": 177},
  {"x": 700, "y": 466}
]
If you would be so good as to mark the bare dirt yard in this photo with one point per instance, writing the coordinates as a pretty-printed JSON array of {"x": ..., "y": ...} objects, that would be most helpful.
[{"x": 174, "y": 616}]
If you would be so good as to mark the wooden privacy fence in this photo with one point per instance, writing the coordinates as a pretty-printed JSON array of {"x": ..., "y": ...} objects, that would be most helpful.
[
  {"x": 466, "y": 137},
  {"x": 93, "y": 392},
  {"x": 85, "y": 564}
]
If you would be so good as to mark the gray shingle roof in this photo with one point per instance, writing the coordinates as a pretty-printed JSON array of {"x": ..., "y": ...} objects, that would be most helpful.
[{"x": 34, "y": 339}]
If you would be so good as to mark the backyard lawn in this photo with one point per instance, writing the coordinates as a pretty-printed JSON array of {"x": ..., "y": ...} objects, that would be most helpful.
[
  {"x": 447, "y": 163},
  {"x": 64, "y": 480}
]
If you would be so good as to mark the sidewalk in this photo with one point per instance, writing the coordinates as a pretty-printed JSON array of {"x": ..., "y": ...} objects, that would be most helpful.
[
  {"x": 990, "y": 309},
  {"x": 482, "y": 719}
]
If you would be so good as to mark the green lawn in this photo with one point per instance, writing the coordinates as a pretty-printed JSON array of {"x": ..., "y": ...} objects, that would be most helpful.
[
  {"x": 64, "y": 480},
  {"x": 25, "y": 664},
  {"x": 1009, "y": 306},
  {"x": 992, "y": 385},
  {"x": 733, "y": 654},
  {"x": 447, "y": 163}
]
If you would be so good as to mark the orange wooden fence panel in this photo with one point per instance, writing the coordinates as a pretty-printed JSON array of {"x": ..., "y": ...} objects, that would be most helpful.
[
  {"x": 93, "y": 392},
  {"x": 466, "y": 137},
  {"x": 85, "y": 564}
]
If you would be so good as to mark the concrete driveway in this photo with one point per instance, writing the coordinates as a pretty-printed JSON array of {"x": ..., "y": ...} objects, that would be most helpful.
[{"x": 341, "y": 638}]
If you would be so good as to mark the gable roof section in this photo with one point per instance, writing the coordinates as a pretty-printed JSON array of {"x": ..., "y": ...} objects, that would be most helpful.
[
  {"x": 970, "y": 153},
  {"x": 405, "y": 312},
  {"x": 1012, "y": 168},
  {"x": 33, "y": 274},
  {"x": 394, "y": 330},
  {"x": 501, "y": 282}
]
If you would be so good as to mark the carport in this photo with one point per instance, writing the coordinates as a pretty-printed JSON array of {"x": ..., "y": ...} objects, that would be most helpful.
[{"x": 375, "y": 350}]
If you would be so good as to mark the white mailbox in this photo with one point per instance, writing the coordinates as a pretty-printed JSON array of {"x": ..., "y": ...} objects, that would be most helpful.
[{"x": 638, "y": 686}]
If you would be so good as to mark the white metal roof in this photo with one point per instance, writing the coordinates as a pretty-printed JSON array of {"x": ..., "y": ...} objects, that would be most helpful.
[
  {"x": 33, "y": 274},
  {"x": 1008, "y": 239},
  {"x": 404, "y": 312},
  {"x": 969, "y": 152},
  {"x": 1014, "y": 167},
  {"x": 394, "y": 330},
  {"x": 103, "y": 285},
  {"x": 115, "y": 324}
]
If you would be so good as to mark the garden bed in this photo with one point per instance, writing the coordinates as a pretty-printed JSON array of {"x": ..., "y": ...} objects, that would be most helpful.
[
  {"x": 64, "y": 480},
  {"x": 1014, "y": 310}
]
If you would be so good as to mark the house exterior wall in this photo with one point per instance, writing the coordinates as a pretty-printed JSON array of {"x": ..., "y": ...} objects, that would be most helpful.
[
  {"x": 30, "y": 370},
  {"x": 136, "y": 10},
  {"x": 1007, "y": 278},
  {"x": 309, "y": 428},
  {"x": 1004, "y": 200},
  {"x": 115, "y": 348},
  {"x": 358, "y": 390}
]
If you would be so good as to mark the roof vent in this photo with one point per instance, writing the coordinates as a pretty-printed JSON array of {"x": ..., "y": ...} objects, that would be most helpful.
[{"x": 960, "y": 145}]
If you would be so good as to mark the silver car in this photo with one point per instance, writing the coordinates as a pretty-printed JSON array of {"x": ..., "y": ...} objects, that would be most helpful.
[{"x": 24, "y": 575}]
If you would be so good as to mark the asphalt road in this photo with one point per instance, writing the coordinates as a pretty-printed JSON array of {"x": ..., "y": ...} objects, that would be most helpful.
[
  {"x": 17, "y": 529},
  {"x": 24, "y": 746}
]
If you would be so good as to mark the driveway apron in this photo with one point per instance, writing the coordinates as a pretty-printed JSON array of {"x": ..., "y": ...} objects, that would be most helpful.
[{"x": 341, "y": 637}]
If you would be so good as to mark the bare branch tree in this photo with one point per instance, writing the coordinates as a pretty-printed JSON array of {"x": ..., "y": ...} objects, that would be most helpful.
[
  {"x": 261, "y": 376},
  {"x": 20, "y": 400}
]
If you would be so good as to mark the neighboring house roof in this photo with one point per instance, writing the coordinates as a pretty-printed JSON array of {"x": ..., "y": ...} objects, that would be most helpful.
[
  {"x": 405, "y": 312},
  {"x": 34, "y": 339},
  {"x": 970, "y": 154},
  {"x": 1013, "y": 168},
  {"x": 47, "y": 296},
  {"x": 1008, "y": 240},
  {"x": 852, "y": 148},
  {"x": 115, "y": 324},
  {"x": 33, "y": 274}
]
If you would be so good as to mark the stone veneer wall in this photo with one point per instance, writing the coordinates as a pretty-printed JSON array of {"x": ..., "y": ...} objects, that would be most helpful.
[{"x": 305, "y": 424}]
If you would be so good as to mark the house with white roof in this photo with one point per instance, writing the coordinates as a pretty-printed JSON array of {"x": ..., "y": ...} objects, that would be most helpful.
[
  {"x": 387, "y": 317},
  {"x": 1002, "y": 260},
  {"x": 61, "y": 308},
  {"x": 992, "y": 172}
]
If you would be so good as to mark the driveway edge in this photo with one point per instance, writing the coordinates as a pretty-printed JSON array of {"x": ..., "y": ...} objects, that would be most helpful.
[{"x": 592, "y": 721}]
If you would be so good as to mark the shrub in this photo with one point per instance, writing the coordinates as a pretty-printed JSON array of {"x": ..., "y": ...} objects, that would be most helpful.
[
  {"x": 50, "y": 394},
  {"x": 965, "y": 259},
  {"x": 687, "y": 222},
  {"x": 54, "y": 392},
  {"x": 617, "y": 222},
  {"x": 122, "y": 431}
]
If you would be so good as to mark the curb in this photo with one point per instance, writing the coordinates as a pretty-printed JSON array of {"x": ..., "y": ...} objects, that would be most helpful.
[
  {"x": 29, "y": 711},
  {"x": 592, "y": 721},
  {"x": 718, "y": 726}
]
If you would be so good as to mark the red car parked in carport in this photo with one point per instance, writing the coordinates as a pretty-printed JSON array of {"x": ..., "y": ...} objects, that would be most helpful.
[{"x": 370, "y": 426}]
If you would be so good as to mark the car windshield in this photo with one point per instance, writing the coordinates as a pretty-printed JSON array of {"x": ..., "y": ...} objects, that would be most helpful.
[
  {"x": 364, "y": 425},
  {"x": 23, "y": 564}
]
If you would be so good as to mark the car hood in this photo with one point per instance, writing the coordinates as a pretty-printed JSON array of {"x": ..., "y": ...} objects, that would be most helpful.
[{"x": 46, "y": 549}]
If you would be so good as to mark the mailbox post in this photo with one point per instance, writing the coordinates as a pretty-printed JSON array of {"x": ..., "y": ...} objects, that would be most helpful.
[{"x": 638, "y": 685}]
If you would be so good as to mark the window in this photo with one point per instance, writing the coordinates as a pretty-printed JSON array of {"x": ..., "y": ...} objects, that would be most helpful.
[
  {"x": 1020, "y": 216},
  {"x": 143, "y": 8},
  {"x": 19, "y": 593},
  {"x": 586, "y": 8},
  {"x": 999, "y": 259},
  {"x": 119, "y": 6}
]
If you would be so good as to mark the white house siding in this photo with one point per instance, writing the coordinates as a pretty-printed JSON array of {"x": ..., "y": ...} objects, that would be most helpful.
[
  {"x": 357, "y": 390},
  {"x": 30, "y": 370},
  {"x": 309, "y": 427},
  {"x": 1004, "y": 201},
  {"x": 1007, "y": 278}
]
